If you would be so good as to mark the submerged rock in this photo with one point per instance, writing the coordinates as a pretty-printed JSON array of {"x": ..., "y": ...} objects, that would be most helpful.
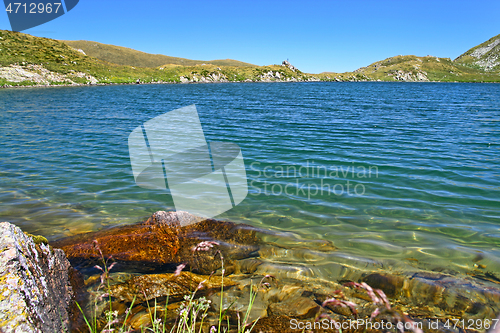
[
  {"x": 429, "y": 294},
  {"x": 297, "y": 307},
  {"x": 150, "y": 286},
  {"x": 165, "y": 240},
  {"x": 35, "y": 289},
  {"x": 284, "y": 286}
]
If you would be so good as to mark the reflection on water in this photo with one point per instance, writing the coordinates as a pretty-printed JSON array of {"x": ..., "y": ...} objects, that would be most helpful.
[{"x": 428, "y": 199}]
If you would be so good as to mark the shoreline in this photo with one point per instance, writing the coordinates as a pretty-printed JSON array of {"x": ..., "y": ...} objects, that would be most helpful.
[
  {"x": 220, "y": 82},
  {"x": 299, "y": 299}
]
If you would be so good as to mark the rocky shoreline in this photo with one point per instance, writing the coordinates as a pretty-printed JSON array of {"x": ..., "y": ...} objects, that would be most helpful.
[
  {"x": 173, "y": 255},
  {"x": 31, "y": 75},
  {"x": 160, "y": 83}
]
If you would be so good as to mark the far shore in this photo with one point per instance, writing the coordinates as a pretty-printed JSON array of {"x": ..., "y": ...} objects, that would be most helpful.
[{"x": 219, "y": 82}]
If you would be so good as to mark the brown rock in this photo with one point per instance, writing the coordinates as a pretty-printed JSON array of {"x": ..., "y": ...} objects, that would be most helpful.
[
  {"x": 77, "y": 321},
  {"x": 297, "y": 307},
  {"x": 320, "y": 298},
  {"x": 162, "y": 242},
  {"x": 284, "y": 324},
  {"x": 391, "y": 285},
  {"x": 150, "y": 286}
]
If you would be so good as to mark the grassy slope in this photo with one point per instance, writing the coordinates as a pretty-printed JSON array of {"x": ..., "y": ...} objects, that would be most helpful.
[
  {"x": 435, "y": 69},
  {"x": 494, "y": 53},
  {"x": 56, "y": 56},
  {"x": 129, "y": 57}
]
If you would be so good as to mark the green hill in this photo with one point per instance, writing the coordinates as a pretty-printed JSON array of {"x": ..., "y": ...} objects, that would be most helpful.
[
  {"x": 484, "y": 56},
  {"x": 479, "y": 64},
  {"x": 429, "y": 68},
  {"x": 129, "y": 57},
  {"x": 29, "y": 60}
]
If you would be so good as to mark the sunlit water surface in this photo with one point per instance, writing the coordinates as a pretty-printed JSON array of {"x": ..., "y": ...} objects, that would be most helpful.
[{"x": 422, "y": 162}]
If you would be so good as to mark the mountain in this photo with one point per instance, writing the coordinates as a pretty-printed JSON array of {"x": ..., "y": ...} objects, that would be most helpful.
[
  {"x": 130, "y": 57},
  {"x": 479, "y": 64},
  {"x": 28, "y": 60},
  {"x": 428, "y": 68},
  {"x": 485, "y": 56}
]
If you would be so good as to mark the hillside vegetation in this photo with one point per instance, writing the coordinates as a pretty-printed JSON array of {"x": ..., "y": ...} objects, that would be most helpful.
[
  {"x": 484, "y": 56},
  {"x": 129, "y": 57},
  {"x": 29, "y": 60},
  {"x": 429, "y": 68}
]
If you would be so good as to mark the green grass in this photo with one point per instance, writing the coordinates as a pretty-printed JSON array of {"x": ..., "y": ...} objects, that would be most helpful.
[
  {"x": 466, "y": 59},
  {"x": 435, "y": 69},
  {"x": 190, "y": 319},
  {"x": 56, "y": 56},
  {"x": 23, "y": 49},
  {"x": 129, "y": 57}
]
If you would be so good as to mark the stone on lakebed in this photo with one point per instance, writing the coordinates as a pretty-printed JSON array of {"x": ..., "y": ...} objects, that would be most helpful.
[{"x": 165, "y": 240}]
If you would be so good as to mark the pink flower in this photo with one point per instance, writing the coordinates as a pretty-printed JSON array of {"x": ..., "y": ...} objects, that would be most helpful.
[
  {"x": 384, "y": 298},
  {"x": 111, "y": 267},
  {"x": 179, "y": 269},
  {"x": 375, "y": 313},
  {"x": 204, "y": 246},
  {"x": 351, "y": 305},
  {"x": 333, "y": 301},
  {"x": 103, "y": 296},
  {"x": 200, "y": 285}
]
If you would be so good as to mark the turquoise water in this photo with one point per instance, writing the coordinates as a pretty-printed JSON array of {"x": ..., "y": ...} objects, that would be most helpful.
[{"x": 425, "y": 191}]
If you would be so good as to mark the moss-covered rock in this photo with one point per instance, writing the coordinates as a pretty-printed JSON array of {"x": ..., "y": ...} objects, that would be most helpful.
[{"x": 34, "y": 285}]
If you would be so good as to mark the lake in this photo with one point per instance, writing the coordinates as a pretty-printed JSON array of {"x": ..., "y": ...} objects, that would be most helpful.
[{"x": 401, "y": 176}]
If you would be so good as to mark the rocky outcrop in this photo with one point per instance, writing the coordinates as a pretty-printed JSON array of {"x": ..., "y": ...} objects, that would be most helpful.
[
  {"x": 409, "y": 76},
  {"x": 485, "y": 55},
  {"x": 80, "y": 50},
  {"x": 269, "y": 76},
  {"x": 286, "y": 63},
  {"x": 165, "y": 240},
  {"x": 488, "y": 56},
  {"x": 35, "y": 291},
  {"x": 41, "y": 76}
]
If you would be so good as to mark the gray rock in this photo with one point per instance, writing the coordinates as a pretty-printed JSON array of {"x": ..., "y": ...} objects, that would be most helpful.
[
  {"x": 401, "y": 75},
  {"x": 286, "y": 63},
  {"x": 178, "y": 218},
  {"x": 40, "y": 75},
  {"x": 34, "y": 285}
]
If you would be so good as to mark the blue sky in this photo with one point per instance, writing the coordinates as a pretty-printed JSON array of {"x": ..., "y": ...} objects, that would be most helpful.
[{"x": 315, "y": 36}]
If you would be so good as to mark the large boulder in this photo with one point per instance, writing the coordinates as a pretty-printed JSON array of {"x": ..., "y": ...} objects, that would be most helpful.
[
  {"x": 35, "y": 291},
  {"x": 164, "y": 241}
]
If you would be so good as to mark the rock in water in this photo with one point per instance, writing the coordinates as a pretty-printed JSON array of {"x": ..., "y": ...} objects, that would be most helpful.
[
  {"x": 165, "y": 240},
  {"x": 150, "y": 286},
  {"x": 35, "y": 291}
]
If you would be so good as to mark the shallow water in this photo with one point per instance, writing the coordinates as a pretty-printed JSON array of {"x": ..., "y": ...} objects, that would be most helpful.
[{"x": 424, "y": 193}]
